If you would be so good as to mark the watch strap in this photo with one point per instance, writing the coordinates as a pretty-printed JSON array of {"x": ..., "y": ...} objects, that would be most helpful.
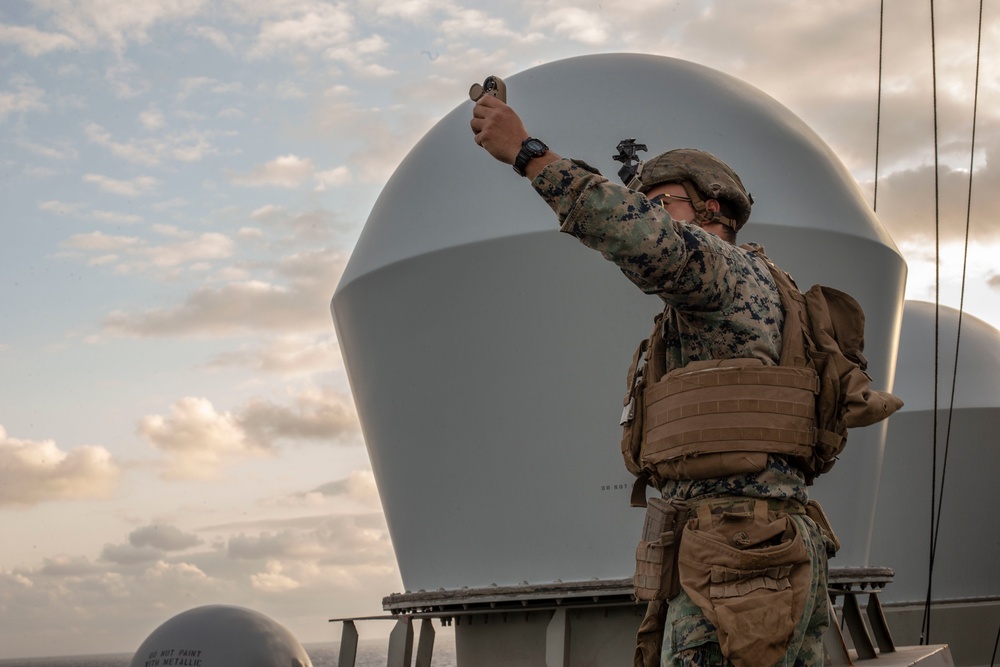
[{"x": 530, "y": 149}]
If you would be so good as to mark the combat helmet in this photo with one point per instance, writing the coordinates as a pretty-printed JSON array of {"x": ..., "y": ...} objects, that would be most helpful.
[{"x": 698, "y": 170}]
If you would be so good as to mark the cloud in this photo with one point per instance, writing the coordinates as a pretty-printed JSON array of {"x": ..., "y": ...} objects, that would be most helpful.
[
  {"x": 55, "y": 150},
  {"x": 322, "y": 414},
  {"x": 134, "y": 187},
  {"x": 93, "y": 24},
  {"x": 181, "y": 146},
  {"x": 273, "y": 581},
  {"x": 34, "y": 42},
  {"x": 575, "y": 23},
  {"x": 217, "y": 37},
  {"x": 286, "y": 171},
  {"x": 128, "y": 554},
  {"x": 309, "y": 226},
  {"x": 357, "y": 54},
  {"x": 67, "y": 566},
  {"x": 26, "y": 97},
  {"x": 152, "y": 119},
  {"x": 149, "y": 544},
  {"x": 36, "y": 472},
  {"x": 301, "y": 304},
  {"x": 295, "y": 570},
  {"x": 359, "y": 486},
  {"x": 139, "y": 255},
  {"x": 191, "y": 85},
  {"x": 287, "y": 355},
  {"x": 101, "y": 242},
  {"x": 200, "y": 441},
  {"x": 83, "y": 212},
  {"x": 335, "y": 177},
  {"x": 336, "y": 539},
  {"x": 317, "y": 27},
  {"x": 165, "y": 537}
]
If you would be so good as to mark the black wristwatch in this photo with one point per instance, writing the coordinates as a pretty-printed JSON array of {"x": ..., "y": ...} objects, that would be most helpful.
[{"x": 530, "y": 149}]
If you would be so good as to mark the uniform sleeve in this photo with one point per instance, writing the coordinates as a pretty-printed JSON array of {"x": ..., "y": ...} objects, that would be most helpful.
[{"x": 686, "y": 266}]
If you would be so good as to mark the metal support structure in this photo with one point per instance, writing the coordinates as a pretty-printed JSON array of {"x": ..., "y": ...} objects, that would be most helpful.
[
  {"x": 879, "y": 626},
  {"x": 833, "y": 641},
  {"x": 849, "y": 583},
  {"x": 859, "y": 631},
  {"x": 425, "y": 645},
  {"x": 557, "y": 640},
  {"x": 401, "y": 643},
  {"x": 348, "y": 645},
  {"x": 866, "y": 630}
]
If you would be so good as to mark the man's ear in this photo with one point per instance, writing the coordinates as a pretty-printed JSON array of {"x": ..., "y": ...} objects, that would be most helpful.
[{"x": 712, "y": 205}]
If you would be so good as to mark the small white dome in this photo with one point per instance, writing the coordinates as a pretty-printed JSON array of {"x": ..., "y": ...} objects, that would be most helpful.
[{"x": 220, "y": 636}]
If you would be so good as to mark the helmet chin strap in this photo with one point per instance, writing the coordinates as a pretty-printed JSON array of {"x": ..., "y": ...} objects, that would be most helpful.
[{"x": 702, "y": 216}]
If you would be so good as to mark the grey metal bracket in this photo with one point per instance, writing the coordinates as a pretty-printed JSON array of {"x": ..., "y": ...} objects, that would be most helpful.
[
  {"x": 348, "y": 645},
  {"x": 849, "y": 583},
  {"x": 425, "y": 645},
  {"x": 557, "y": 640},
  {"x": 401, "y": 643}
]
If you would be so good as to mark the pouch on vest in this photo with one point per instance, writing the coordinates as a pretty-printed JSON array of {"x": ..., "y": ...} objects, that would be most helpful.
[
  {"x": 749, "y": 572},
  {"x": 722, "y": 417},
  {"x": 656, "y": 576},
  {"x": 648, "y": 366}
]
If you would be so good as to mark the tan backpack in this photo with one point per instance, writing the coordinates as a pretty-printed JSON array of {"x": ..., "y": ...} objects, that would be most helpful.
[{"x": 723, "y": 417}]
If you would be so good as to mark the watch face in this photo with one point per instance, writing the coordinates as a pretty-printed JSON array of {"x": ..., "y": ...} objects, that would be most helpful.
[{"x": 535, "y": 146}]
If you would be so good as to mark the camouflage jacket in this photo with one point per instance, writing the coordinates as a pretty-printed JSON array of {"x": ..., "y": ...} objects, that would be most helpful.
[{"x": 721, "y": 302}]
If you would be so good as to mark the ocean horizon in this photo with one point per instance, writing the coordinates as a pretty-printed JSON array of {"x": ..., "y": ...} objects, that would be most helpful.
[{"x": 371, "y": 653}]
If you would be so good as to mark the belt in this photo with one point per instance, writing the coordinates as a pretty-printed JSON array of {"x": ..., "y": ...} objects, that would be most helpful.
[{"x": 743, "y": 504}]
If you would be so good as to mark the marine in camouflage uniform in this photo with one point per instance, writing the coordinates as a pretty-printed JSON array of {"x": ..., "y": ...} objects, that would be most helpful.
[{"x": 721, "y": 303}]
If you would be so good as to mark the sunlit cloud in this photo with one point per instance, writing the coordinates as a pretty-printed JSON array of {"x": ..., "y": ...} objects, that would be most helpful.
[
  {"x": 35, "y": 472},
  {"x": 200, "y": 441},
  {"x": 300, "y": 303},
  {"x": 286, "y": 171},
  {"x": 134, "y": 254},
  {"x": 94, "y": 24},
  {"x": 318, "y": 27},
  {"x": 286, "y": 355},
  {"x": 577, "y": 24},
  {"x": 272, "y": 580},
  {"x": 133, "y": 187},
  {"x": 181, "y": 146},
  {"x": 359, "y": 486}
]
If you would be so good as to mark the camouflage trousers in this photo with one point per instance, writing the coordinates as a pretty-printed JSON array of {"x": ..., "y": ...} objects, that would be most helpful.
[{"x": 690, "y": 639}]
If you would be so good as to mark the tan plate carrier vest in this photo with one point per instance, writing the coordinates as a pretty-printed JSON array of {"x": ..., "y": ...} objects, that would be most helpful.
[{"x": 723, "y": 417}]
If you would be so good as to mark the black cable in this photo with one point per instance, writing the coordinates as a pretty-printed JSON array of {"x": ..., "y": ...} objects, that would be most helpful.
[
  {"x": 995, "y": 644},
  {"x": 878, "y": 103},
  {"x": 965, "y": 264},
  {"x": 926, "y": 629}
]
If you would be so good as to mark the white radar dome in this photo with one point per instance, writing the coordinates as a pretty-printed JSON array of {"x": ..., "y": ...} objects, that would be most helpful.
[
  {"x": 220, "y": 636},
  {"x": 487, "y": 352},
  {"x": 963, "y": 478}
]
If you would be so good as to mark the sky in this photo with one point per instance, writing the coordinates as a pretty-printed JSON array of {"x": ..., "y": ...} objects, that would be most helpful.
[{"x": 183, "y": 182}]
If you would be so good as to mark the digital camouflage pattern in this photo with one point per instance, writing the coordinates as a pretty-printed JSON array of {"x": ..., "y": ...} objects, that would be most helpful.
[{"x": 721, "y": 303}]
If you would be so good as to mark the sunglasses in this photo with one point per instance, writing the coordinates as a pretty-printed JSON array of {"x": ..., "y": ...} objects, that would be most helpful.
[{"x": 665, "y": 199}]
